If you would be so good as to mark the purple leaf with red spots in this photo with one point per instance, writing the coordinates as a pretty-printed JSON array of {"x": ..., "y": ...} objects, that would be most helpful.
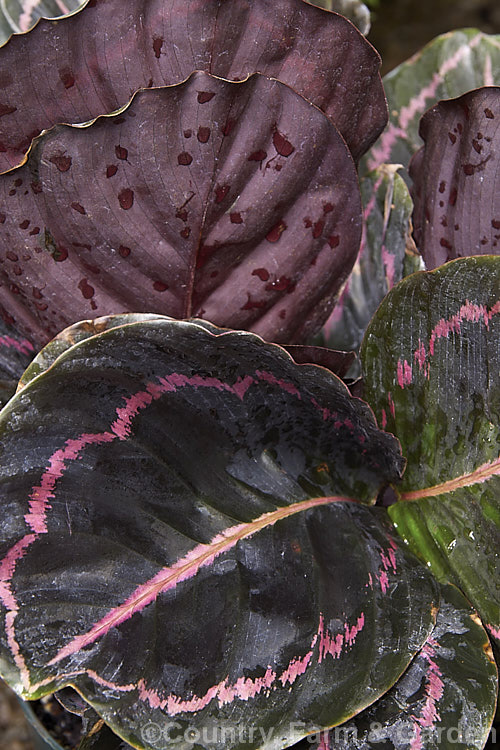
[
  {"x": 184, "y": 226},
  {"x": 456, "y": 179},
  {"x": 191, "y": 540},
  {"x": 431, "y": 358},
  {"x": 447, "y": 67},
  {"x": 445, "y": 699},
  {"x": 123, "y": 48}
]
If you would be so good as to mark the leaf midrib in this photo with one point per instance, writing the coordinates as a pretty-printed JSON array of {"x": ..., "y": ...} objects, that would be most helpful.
[{"x": 478, "y": 476}]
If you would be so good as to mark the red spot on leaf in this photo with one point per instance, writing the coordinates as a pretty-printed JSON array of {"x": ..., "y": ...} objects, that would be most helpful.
[
  {"x": 262, "y": 273},
  {"x": 184, "y": 233},
  {"x": 452, "y": 137},
  {"x": 37, "y": 294},
  {"x": 235, "y": 218},
  {"x": 124, "y": 251},
  {"x": 318, "y": 228},
  {"x": 477, "y": 146},
  {"x": 276, "y": 231},
  {"x": 18, "y": 182},
  {"x": 282, "y": 314},
  {"x": 78, "y": 207},
  {"x": 333, "y": 240},
  {"x": 308, "y": 222},
  {"x": 282, "y": 145},
  {"x": 203, "y": 134},
  {"x": 126, "y": 198},
  {"x": 495, "y": 223},
  {"x": 11, "y": 255},
  {"x": 160, "y": 286},
  {"x": 220, "y": 192},
  {"x": 327, "y": 208},
  {"x": 251, "y": 304},
  {"x": 67, "y": 78},
  {"x": 35, "y": 230},
  {"x": 86, "y": 289},
  {"x": 444, "y": 243},
  {"x": 489, "y": 114},
  {"x": 24, "y": 224},
  {"x": 205, "y": 96},
  {"x": 6, "y": 109},
  {"x": 184, "y": 159},
  {"x": 181, "y": 214},
  {"x": 2, "y": 218},
  {"x": 442, "y": 186},
  {"x": 157, "y": 45},
  {"x": 60, "y": 254},
  {"x": 63, "y": 163},
  {"x": 453, "y": 197},
  {"x": 188, "y": 133},
  {"x": 121, "y": 152},
  {"x": 36, "y": 187},
  {"x": 259, "y": 155},
  {"x": 111, "y": 170}
]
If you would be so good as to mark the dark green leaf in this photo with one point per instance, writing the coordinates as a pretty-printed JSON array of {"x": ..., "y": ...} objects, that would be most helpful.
[
  {"x": 16, "y": 353},
  {"x": 182, "y": 539},
  {"x": 444, "y": 701},
  {"x": 431, "y": 360}
]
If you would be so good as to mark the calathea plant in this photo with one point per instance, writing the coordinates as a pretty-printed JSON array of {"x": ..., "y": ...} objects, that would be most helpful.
[{"x": 190, "y": 536}]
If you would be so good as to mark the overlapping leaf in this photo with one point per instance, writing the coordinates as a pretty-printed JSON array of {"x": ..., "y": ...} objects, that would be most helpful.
[
  {"x": 449, "y": 66},
  {"x": 182, "y": 205},
  {"x": 386, "y": 255},
  {"x": 431, "y": 361},
  {"x": 445, "y": 700},
  {"x": 456, "y": 172},
  {"x": 15, "y": 355},
  {"x": 184, "y": 544},
  {"x": 92, "y": 62},
  {"x": 356, "y": 11},
  {"x": 21, "y": 15}
]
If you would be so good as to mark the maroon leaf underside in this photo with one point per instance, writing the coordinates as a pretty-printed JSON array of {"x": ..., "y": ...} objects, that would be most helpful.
[
  {"x": 91, "y": 63},
  {"x": 456, "y": 179},
  {"x": 203, "y": 199}
]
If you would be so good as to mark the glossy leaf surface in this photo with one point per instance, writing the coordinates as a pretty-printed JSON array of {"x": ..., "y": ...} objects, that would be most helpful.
[
  {"x": 182, "y": 206},
  {"x": 16, "y": 354},
  {"x": 386, "y": 255},
  {"x": 186, "y": 543},
  {"x": 92, "y": 62},
  {"x": 444, "y": 701},
  {"x": 456, "y": 178},
  {"x": 431, "y": 361},
  {"x": 449, "y": 66},
  {"x": 21, "y": 15}
]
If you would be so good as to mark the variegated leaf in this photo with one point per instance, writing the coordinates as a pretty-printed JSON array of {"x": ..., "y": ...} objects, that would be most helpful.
[
  {"x": 431, "y": 361},
  {"x": 187, "y": 544},
  {"x": 447, "y": 67}
]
